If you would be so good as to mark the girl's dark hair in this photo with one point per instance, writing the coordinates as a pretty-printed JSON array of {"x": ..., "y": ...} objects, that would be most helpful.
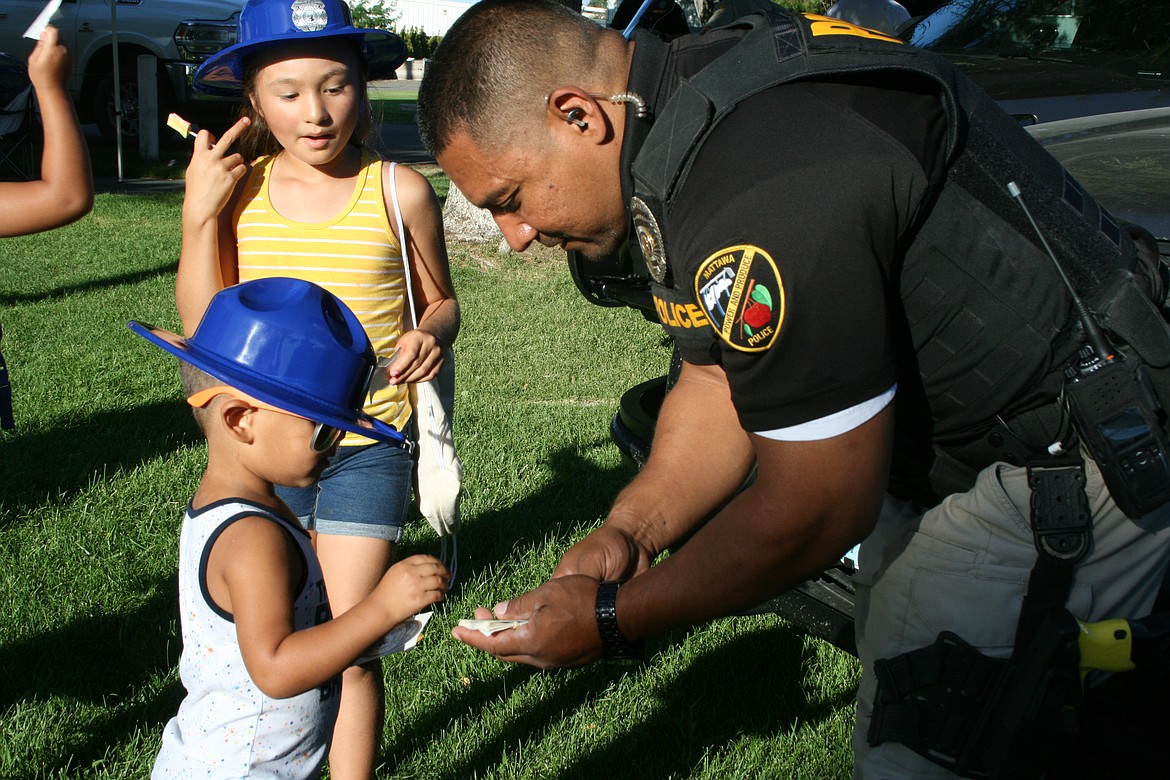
[{"x": 257, "y": 140}]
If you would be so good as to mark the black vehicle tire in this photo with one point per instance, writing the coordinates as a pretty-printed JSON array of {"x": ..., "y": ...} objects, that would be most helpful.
[{"x": 103, "y": 102}]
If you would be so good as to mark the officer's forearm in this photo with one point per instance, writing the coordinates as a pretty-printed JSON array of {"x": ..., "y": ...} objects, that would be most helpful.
[
  {"x": 700, "y": 457},
  {"x": 810, "y": 502}
]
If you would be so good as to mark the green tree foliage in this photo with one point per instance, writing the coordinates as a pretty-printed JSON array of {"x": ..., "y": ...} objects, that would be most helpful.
[
  {"x": 377, "y": 14},
  {"x": 418, "y": 44}
]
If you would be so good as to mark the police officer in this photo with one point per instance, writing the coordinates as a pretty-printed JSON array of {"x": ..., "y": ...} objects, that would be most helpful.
[{"x": 863, "y": 311}]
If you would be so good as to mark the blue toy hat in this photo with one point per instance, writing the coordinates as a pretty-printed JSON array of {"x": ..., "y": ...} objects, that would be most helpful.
[
  {"x": 289, "y": 343},
  {"x": 265, "y": 23}
]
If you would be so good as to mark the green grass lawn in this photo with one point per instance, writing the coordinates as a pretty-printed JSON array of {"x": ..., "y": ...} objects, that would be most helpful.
[
  {"x": 93, "y": 485},
  {"x": 394, "y": 107}
]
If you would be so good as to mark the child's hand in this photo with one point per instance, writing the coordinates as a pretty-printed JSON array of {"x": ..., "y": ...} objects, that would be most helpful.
[
  {"x": 418, "y": 358},
  {"x": 410, "y": 585},
  {"x": 213, "y": 174},
  {"x": 49, "y": 63}
]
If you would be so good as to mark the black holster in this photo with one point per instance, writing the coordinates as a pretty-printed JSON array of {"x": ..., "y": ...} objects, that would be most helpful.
[
  {"x": 978, "y": 716},
  {"x": 1003, "y": 718}
]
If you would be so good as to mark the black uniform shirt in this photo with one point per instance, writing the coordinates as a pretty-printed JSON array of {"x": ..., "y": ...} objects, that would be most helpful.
[{"x": 814, "y": 185}]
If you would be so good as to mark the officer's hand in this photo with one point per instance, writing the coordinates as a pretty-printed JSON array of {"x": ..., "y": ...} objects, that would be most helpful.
[
  {"x": 561, "y": 630},
  {"x": 607, "y": 555}
]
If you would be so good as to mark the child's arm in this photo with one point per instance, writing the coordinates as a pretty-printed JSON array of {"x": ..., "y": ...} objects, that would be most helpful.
[
  {"x": 419, "y": 352},
  {"x": 64, "y": 193},
  {"x": 252, "y": 572},
  {"x": 208, "y": 259}
]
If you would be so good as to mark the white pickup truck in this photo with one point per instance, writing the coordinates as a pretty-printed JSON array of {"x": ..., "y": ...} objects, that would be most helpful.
[{"x": 180, "y": 33}]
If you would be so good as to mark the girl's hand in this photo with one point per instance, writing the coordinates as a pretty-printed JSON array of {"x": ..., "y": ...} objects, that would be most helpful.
[
  {"x": 417, "y": 359},
  {"x": 213, "y": 174},
  {"x": 49, "y": 62},
  {"x": 410, "y": 585}
]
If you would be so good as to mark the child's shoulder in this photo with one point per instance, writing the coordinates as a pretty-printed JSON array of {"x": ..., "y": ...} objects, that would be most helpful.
[
  {"x": 412, "y": 186},
  {"x": 210, "y": 507}
]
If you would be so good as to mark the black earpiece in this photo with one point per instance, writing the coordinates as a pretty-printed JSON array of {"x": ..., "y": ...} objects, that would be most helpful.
[{"x": 574, "y": 118}]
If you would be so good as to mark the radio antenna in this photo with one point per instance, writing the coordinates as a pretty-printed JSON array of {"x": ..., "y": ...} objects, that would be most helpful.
[{"x": 1093, "y": 333}]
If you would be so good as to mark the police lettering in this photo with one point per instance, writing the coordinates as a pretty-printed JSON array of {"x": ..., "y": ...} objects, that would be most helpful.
[
  {"x": 756, "y": 338},
  {"x": 677, "y": 315}
]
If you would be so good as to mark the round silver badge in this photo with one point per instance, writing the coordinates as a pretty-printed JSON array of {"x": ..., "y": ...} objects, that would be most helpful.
[
  {"x": 649, "y": 239},
  {"x": 309, "y": 15}
]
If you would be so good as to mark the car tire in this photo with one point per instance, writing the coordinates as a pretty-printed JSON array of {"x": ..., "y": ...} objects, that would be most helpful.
[{"x": 103, "y": 102}]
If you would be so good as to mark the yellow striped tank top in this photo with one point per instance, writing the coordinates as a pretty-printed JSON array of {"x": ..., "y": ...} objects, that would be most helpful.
[{"x": 354, "y": 255}]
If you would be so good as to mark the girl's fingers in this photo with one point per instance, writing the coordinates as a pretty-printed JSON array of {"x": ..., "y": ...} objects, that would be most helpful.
[
  {"x": 232, "y": 133},
  {"x": 228, "y": 138}
]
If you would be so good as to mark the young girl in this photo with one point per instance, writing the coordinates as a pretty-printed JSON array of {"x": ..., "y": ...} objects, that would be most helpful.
[{"x": 303, "y": 198}]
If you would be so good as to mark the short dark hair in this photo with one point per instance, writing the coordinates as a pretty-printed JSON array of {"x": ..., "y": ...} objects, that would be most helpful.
[
  {"x": 194, "y": 380},
  {"x": 499, "y": 58}
]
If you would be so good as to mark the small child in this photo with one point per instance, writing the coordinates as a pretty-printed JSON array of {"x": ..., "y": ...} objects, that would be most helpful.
[{"x": 275, "y": 371}]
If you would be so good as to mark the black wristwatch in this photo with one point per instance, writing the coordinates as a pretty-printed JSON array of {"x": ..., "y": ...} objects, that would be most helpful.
[{"x": 614, "y": 646}]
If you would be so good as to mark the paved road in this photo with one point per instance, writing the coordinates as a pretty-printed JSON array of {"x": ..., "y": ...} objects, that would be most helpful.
[{"x": 400, "y": 142}]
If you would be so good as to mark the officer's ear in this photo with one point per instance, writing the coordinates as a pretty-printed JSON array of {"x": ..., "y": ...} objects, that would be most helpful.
[{"x": 575, "y": 109}]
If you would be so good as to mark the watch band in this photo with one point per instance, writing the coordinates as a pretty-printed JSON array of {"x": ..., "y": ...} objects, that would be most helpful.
[{"x": 614, "y": 646}]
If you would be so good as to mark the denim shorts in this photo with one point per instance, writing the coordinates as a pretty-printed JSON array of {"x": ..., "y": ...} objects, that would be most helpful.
[{"x": 364, "y": 491}]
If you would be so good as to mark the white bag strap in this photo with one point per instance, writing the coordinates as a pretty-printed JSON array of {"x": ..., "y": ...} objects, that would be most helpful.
[
  {"x": 402, "y": 244},
  {"x": 452, "y": 562}
]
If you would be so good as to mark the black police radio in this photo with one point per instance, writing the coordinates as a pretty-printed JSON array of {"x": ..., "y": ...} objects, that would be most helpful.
[{"x": 1114, "y": 409}]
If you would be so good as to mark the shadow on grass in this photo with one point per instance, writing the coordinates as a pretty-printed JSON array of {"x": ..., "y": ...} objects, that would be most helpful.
[
  {"x": 750, "y": 686},
  {"x": 90, "y": 286},
  {"x": 104, "y": 660},
  {"x": 66, "y": 460},
  {"x": 753, "y": 685}
]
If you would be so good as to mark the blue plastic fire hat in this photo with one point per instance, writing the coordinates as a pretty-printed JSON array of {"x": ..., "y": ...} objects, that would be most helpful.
[
  {"x": 288, "y": 343},
  {"x": 265, "y": 23}
]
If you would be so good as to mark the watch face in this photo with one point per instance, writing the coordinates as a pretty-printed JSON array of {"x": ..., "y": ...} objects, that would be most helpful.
[{"x": 649, "y": 239}]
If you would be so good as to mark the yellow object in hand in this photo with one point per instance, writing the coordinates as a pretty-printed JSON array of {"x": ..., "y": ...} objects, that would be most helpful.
[{"x": 182, "y": 126}]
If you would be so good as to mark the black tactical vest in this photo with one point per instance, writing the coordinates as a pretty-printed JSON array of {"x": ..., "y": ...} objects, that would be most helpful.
[{"x": 987, "y": 325}]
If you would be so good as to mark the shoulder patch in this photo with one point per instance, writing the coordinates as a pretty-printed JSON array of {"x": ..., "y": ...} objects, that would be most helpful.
[{"x": 741, "y": 291}]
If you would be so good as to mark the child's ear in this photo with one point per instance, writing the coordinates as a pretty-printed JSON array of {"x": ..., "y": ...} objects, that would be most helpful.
[
  {"x": 235, "y": 417},
  {"x": 250, "y": 96}
]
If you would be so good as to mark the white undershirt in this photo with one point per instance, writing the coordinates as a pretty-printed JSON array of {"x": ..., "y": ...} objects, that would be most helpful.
[{"x": 834, "y": 424}]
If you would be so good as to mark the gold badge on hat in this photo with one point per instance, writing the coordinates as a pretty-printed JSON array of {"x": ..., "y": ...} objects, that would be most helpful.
[
  {"x": 309, "y": 15},
  {"x": 649, "y": 239}
]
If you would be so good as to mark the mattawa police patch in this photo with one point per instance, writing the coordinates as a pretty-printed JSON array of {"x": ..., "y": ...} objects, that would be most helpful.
[
  {"x": 649, "y": 239},
  {"x": 740, "y": 289}
]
